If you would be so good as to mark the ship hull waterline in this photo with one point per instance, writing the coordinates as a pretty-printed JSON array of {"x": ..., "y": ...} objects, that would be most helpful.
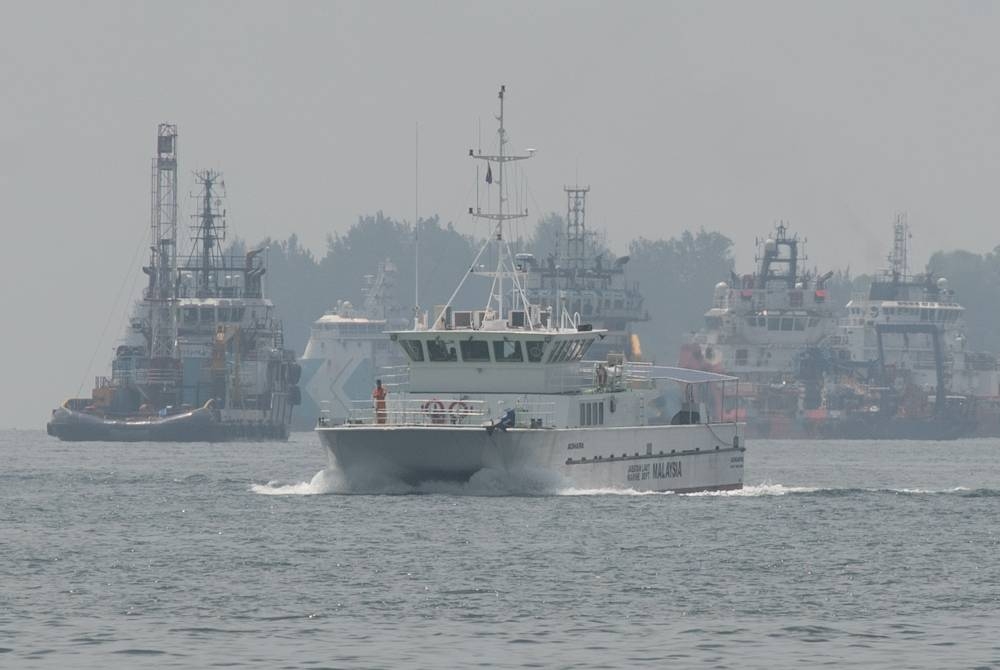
[{"x": 645, "y": 458}]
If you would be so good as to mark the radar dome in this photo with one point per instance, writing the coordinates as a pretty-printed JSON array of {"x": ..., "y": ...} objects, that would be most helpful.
[
  {"x": 721, "y": 286},
  {"x": 942, "y": 283},
  {"x": 769, "y": 246},
  {"x": 799, "y": 285}
]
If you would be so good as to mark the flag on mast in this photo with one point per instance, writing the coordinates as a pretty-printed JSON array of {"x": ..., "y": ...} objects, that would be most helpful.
[{"x": 489, "y": 174}]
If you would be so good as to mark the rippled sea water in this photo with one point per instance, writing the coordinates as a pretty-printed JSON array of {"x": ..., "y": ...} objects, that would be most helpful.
[{"x": 863, "y": 554}]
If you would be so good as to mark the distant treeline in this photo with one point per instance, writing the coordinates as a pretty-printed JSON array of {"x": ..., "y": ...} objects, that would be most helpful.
[{"x": 676, "y": 276}]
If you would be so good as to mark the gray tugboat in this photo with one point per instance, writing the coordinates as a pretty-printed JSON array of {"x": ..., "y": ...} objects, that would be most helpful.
[{"x": 203, "y": 356}]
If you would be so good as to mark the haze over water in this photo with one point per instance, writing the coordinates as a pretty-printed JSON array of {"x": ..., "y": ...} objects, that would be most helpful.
[{"x": 840, "y": 553}]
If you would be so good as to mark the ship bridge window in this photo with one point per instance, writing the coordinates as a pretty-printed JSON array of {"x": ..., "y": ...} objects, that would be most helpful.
[
  {"x": 413, "y": 348},
  {"x": 475, "y": 350},
  {"x": 741, "y": 357},
  {"x": 439, "y": 350},
  {"x": 800, "y": 324},
  {"x": 225, "y": 314},
  {"x": 713, "y": 322},
  {"x": 536, "y": 349},
  {"x": 558, "y": 352},
  {"x": 190, "y": 316},
  {"x": 208, "y": 315},
  {"x": 787, "y": 323},
  {"x": 773, "y": 323},
  {"x": 506, "y": 351}
]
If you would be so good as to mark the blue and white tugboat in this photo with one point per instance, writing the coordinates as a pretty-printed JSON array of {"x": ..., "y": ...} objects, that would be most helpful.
[{"x": 508, "y": 388}]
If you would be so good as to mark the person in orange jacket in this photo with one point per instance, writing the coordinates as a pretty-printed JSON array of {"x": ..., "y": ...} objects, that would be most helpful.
[{"x": 379, "y": 395}]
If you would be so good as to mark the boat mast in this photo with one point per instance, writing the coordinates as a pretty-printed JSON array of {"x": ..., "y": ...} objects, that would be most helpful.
[
  {"x": 162, "y": 271},
  {"x": 576, "y": 227},
  {"x": 899, "y": 264},
  {"x": 416, "y": 227},
  {"x": 501, "y": 215},
  {"x": 209, "y": 231}
]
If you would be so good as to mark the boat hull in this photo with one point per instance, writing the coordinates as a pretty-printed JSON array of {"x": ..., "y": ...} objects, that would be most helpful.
[
  {"x": 646, "y": 458},
  {"x": 200, "y": 425}
]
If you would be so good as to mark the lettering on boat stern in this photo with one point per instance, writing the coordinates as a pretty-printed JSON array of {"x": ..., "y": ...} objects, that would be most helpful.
[
  {"x": 638, "y": 472},
  {"x": 575, "y": 445}
]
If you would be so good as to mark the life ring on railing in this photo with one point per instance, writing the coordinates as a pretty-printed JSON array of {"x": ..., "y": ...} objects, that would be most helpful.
[
  {"x": 434, "y": 409},
  {"x": 458, "y": 410}
]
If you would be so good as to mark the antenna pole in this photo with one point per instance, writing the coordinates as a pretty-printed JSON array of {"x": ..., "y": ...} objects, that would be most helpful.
[
  {"x": 503, "y": 140},
  {"x": 416, "y": 226}
]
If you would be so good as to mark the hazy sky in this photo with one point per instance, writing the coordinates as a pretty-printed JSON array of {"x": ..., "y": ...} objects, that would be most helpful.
[{"x": 728, "y": 115}]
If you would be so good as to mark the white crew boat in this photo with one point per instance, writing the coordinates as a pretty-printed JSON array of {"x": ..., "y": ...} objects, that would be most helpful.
[{"x": 508, "y": 388}]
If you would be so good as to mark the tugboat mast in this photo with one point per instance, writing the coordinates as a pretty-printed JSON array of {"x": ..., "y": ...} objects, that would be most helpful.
[
  {"x": 162, "y": 268},
  {"x": 209, "y": 231}
]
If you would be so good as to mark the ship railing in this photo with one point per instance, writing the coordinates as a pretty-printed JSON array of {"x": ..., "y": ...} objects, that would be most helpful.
[
  {"x": 396, "y": 378},
  {"x": 419, "y": 412},
  {"x": 529, "y": 414},
  {"x": 617, "y": 375}
]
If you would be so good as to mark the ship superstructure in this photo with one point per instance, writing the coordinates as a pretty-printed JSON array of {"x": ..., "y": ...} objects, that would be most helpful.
[
  {"x": 907, "y": 334},
  {"x": 767, "y": 328},
  {"x": 507, "y": 387},
  {"x": 202, "y": 357},
  {"x": 585, "y": 282},
  {"x": 348, "y": 346}
]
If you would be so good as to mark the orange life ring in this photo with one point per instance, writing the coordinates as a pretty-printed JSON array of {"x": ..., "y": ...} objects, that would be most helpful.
[
  {"x": 457, "y": 410},
  {"x": 434, "y": 409}
]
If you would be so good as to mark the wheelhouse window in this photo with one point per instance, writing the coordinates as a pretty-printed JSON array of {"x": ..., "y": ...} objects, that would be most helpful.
[
  {"x": 506, "y": 351},
  {"x": 558, "y": 352},
  {"x": 413, "y": 348},
  {"x": 208, "y": 315},
  {"x": 190, "y": 316},
  {"x": 442, "y": 350},
  {"x": 475, "y": 350},
  {"x": 536, "y": 349}
]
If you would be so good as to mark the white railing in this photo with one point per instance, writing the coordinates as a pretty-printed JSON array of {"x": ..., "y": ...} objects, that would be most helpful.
[
  {"x": 602, "y": 376},
  {"x": 529, "y": 414},
  {"x": 419, "y": 412},
  {"x": 396, "y": 378},
  {"x": 447, "y": 412}
]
